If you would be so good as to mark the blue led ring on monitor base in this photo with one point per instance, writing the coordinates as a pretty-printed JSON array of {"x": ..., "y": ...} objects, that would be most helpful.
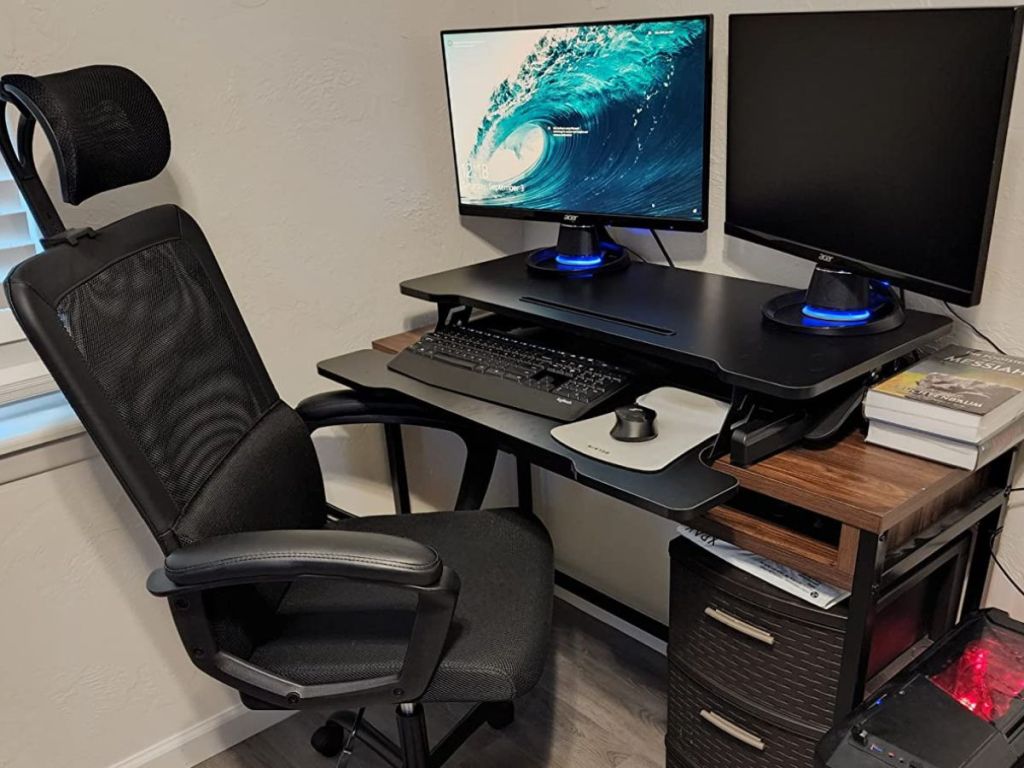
[
  {"x": 570, "y": 262},
  {"x": 837, "y": 303},
  {"x": 582, "y": 251},
  {"x": 838, "y": 316}
]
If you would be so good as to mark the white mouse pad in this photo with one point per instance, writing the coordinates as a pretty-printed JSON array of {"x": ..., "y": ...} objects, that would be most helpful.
[{"x": 684, "y": 421}]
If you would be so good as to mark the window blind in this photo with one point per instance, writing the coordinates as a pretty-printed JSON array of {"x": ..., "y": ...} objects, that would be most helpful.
[{"x": 22, "y": 374}]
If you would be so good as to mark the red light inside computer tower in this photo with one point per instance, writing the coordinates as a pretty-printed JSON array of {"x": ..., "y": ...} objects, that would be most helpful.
[{"x": 988, "y": 677}]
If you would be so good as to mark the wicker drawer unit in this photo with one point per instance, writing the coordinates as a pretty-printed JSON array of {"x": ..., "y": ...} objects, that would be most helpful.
[
  {"x": 706, "y": 730},
  {"x": 753, "y": 642}
]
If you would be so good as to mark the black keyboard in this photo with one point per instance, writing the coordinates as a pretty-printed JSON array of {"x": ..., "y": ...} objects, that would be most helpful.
[{"x": 512, "y": 371}]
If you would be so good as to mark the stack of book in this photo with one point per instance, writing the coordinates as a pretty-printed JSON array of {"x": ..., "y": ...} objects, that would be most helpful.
[{"x": 962, "y": 407}]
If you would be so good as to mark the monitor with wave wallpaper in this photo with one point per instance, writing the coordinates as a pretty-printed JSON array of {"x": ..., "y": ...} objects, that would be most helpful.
[{"x": 589, "y": 125}]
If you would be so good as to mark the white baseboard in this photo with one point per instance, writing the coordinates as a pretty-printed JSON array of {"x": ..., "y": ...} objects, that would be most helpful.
[
  {"x": 204, "y": 739},
  {"x": 612, "y": 621}
]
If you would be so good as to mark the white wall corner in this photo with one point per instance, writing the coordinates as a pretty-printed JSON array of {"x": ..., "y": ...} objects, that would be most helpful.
[{"x": 205, "y": 739}]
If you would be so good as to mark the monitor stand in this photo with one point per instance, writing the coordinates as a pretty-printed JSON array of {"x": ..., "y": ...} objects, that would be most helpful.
[
  {"x": 583, "y": 250},
  {"x": 838, "y": 303}
]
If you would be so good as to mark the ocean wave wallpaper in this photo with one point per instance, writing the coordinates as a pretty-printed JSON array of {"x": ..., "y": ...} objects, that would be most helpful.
[{"x": 605, "y": 119}]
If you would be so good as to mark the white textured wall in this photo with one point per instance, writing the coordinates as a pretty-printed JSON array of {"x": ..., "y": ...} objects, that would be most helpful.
[
  {"x": 311, "y": 143},
  {"x": 94, "y": 663}
]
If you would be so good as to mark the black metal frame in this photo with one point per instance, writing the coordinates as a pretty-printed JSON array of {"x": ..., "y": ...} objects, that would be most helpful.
[
  {"x": 22, "y": 163},
  {"x": 880, "y": 576}
]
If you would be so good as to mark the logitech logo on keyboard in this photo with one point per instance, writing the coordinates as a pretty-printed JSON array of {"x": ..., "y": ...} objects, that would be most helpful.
[{"x": 563, "y": 401}]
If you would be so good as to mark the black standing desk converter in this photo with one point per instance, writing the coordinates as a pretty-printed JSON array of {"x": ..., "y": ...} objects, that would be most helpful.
[{"x": 781, "y": 384}]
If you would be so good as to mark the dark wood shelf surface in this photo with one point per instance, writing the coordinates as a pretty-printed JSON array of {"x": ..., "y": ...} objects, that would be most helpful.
[{"x": 863, "y": 485}]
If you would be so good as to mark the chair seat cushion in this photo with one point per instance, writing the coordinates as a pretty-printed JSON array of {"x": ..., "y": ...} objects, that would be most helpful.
[{"x": 339, "y": 631}]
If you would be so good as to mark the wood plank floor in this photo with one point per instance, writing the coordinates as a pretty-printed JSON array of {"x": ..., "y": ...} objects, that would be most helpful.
[{"x": 600, "y": 704}]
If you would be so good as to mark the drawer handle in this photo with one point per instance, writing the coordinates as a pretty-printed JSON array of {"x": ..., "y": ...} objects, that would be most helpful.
[
  {"x": 739, "y": 625},
  {"x": 731, "y": 729}
]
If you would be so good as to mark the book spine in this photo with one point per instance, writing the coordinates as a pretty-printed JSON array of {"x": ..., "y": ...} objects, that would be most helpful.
[{"x": 1000, "y": 443}]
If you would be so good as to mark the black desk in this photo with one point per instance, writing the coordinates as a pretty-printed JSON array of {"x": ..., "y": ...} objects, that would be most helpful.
[
  {"x": 691, "y": 322},
  {"x": 891, "y": 514}
]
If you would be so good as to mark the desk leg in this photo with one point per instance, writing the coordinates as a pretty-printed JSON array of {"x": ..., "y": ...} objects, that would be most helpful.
[
  {"x": 867, "y": 577},
  {"x": 396, "y": 463},
  {"x": 524, "y": 485},
  {"x": 476, "y": 476},
  {"x": 981, "y": 559},
  {"x": 981, "y": 555}
]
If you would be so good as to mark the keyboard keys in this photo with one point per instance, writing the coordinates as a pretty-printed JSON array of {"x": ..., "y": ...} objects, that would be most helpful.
[{"x": 570, "y": 382}]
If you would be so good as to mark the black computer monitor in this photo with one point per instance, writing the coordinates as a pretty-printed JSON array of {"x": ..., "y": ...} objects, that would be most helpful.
[
  {"x": 585, "y": 124},
  {"x": 871, "y": 143}
]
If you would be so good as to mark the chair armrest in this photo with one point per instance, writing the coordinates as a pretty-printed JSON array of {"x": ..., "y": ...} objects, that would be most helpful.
[
  {"x": 284, "y": 556},
  {"x": 375, "y": 406},
  {"x": 251, "y": 557}
]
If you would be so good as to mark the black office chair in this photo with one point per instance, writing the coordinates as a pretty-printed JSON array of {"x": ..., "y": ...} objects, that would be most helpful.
[{"x": 272, "y": 593}]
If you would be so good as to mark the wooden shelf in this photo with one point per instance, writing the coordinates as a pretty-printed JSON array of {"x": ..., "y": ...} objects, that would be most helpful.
[
  {"x": 396, "y": 343},
  {"x": 863, "y": 485},
  {"x": 818, "y": 559}
]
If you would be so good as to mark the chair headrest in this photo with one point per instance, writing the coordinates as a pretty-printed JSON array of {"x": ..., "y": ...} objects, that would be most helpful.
[{"x": 106, "y": 126}]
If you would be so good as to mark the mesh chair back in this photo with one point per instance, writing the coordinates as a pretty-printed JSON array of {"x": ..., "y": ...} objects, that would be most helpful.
[{"x": 141, "y": 332}]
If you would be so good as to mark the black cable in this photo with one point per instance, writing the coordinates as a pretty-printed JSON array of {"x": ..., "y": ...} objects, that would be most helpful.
[
  {"x": 973, "y": 327},
  {"x": 663, "y": 249},
  {"x": 637, "y": 254},
  {"x": 628, "y": 250}
]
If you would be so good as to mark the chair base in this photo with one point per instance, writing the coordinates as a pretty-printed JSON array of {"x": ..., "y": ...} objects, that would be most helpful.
[{"x": 413, "y": 749}]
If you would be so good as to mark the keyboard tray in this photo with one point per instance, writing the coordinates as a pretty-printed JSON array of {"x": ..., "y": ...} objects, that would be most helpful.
[{"x": 680, "y": 492}]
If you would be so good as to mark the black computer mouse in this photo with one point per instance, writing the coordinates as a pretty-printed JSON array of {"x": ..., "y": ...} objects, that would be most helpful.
[{"x": 634, "y": 424}]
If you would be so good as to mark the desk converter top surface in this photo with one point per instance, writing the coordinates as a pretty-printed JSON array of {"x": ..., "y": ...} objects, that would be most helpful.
[{"x": 682, "y": 316}]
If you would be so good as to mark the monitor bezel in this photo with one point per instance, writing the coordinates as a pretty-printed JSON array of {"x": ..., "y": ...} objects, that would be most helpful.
[
  {"x": 586, "y": 218},
  {"x": 962, "y": 296}
]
